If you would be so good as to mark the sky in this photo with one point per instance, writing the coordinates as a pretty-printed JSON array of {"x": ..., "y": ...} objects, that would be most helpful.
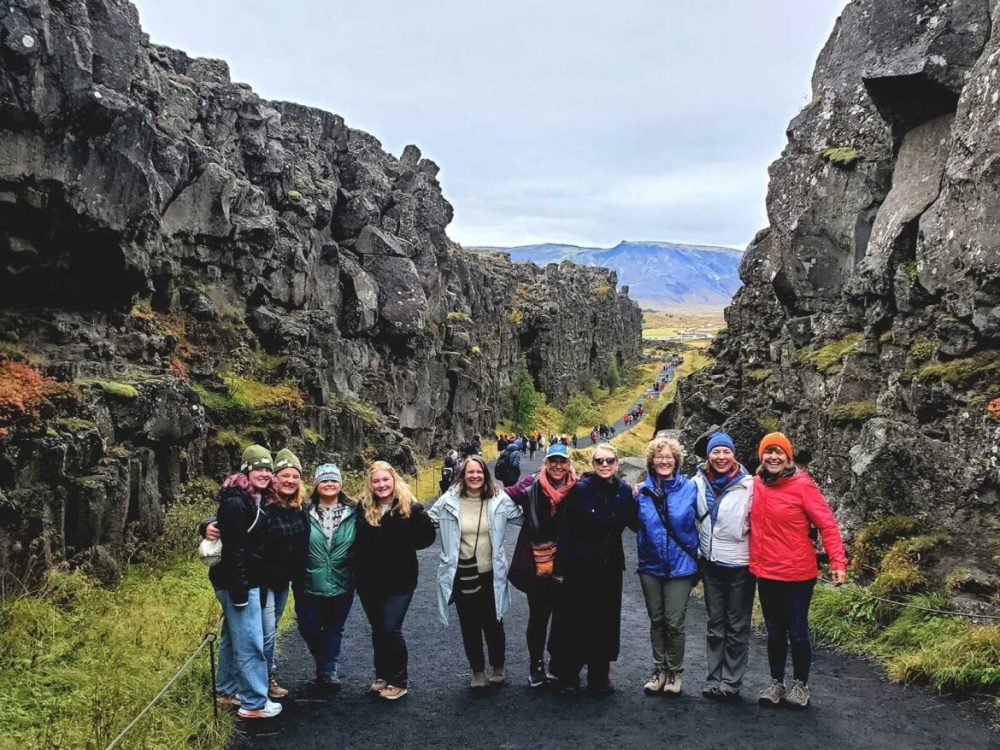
[{"x": 575, "y": 121}]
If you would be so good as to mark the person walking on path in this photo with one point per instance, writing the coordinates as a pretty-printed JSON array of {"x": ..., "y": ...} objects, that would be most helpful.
[
  {"x": 472, "y": 518},
  {"x": 508, "y": 464},
  {"x": 786, "y": 502},
  {"x": 589, "y": 564},
  {"x": 391, "y": 527},
  {"x": 242, "y": 672},
  {"x": 541, "y": 496},
  {"x": 667, "y": 543},
  {"x": 324, "y": 593},
  {"x": 725, "y": 491}
]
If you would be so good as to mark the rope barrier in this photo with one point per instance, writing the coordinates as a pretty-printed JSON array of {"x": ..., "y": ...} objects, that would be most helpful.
[
  {"x": 908, "y": 605},
  {"x": 209, "y": 638}
]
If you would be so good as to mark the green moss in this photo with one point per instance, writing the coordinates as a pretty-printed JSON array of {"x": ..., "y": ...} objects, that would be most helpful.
[
  {"x": 813, "y": 103},
  {"x": 851, "y": 412},
  {"x": 963, "y": 370},
  {"x": 602, "y": 291},
  {"x": 112, "y": 387},
  {"x": 228, "y": 438},
  {"x": 761, "y": 235},
  {"x": 74, "y": 424},
  {"x": 910, "y": 269},
  {"x": 844, "y": 157},
  {"x": 827, "y": 357},
  {"x": 886, "y": 337},
  {"x": 873, "y": 541},
  {"x": 900, "y": 569},
  {"x": 759, "y": 376},
  {"x": 769, "y": 423},
  {"x": 352, "y": 405},
  {"x": 457, "y": 316},
  {"x": 956, "y": 580},
  {"x": 311, "y": 436},
  {"x": 294, "y": 196},
  {"x": 476, "y": 350}
]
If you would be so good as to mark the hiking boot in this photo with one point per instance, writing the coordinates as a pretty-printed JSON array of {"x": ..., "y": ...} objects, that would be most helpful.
[
  {"x": 537, "y": 677},
  {"x": 714, "y": 693},
  {"x": 269, "y": 710},
  {"x": 601, "y": 688},
  {"x": 772, "y": 695},
  {"x": 655, "y": 683},
  {"x": 378, "y": 686},
  {"x": 392, "y": 693},
  {"x": 797, "y": 695},
  {"x": 228, "y": 700},
  {"x": 498, "y": 676},
  {"x": 274, "y": 690},
  {"x": 328, "y": 682},
  {"x": 478, "y": 681},
  {"x": 673, "y": 684}
]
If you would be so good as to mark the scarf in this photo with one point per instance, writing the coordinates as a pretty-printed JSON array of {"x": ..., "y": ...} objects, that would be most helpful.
[
  {"x": 555, "y": 494},
  {"x": 768, "y": 478},
  {"x": 717, "y": 485}
]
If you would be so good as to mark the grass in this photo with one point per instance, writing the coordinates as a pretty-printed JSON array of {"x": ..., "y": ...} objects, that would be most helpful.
[
  {"x": 827, "y": 357},
  {"x": 679, "y": 323},
  {"x": 610, "y": 406},
  {"x": 78, "y": 662},
  {"x": 963, "y": 370},
  {"x": 852, "y": 412},
  {"x": 112, "y": 387}
]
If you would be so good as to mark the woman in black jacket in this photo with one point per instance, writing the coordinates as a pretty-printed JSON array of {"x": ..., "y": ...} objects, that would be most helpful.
[
  {"x": 391, "y": 527},
  {"x": 589, "y": 564}
]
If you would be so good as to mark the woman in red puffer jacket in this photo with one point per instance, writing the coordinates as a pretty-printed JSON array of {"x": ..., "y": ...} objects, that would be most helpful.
[{"x": 786, "y": 504}]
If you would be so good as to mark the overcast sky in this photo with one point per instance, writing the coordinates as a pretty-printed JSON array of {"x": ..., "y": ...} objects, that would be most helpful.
[{"x": 572, "y": 121}]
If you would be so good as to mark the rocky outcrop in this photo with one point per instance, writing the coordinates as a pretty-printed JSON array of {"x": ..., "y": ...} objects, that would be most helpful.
[
  {"x": 212, "y": 268},
  {"x": 869, "y": 319}
]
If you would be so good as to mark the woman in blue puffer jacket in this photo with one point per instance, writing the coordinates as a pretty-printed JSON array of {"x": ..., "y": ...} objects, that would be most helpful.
[{"x": 668, "y": 559}]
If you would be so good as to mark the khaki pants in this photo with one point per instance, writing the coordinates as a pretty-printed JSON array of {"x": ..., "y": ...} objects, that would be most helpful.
[{"x": 666, "y": 604}]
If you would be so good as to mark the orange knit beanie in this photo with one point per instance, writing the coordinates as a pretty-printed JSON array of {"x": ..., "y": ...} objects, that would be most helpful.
[{"x": 778, "y": 439}]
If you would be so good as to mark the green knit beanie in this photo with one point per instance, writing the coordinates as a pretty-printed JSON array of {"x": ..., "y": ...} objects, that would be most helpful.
[
  {"x": 256, "y": 457},
  {"x": 285, "y": 459}
]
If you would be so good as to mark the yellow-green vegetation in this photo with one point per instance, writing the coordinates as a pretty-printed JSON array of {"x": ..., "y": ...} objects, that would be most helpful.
[
  {"x": 910, "y": 269},
  {"x": 294, "y": 196},
  {"x": 759, "y": 376},
  {"x": 844, "y": 157},
  {"x": 963, "y": 370},
  {"x": 851, "y": 412},
  {"x": 78, "y": 662},
  {"x": 828, "y": 356},
  {"x": 761, "y": 235},
  {"x": 813, "y": 103},
  {"x": 353, "y": 405},
  {"x": 694, "y": 360},
  {"x": 516, "y": 316},
  {"x": 112, "y": 387},
  {"x": 923, "y": 349},
  {"x": 245, "y": 400},
  {"x": 610, "y": 406},
  {"x": 769, "y": 423},
  {"x": 690, "y": 326},
  {"x": 602, "y": 291},
  {"x": 873, "y": 541},
  {"x": 457, "y": 316},
  {"x": 476, "y": 350}
]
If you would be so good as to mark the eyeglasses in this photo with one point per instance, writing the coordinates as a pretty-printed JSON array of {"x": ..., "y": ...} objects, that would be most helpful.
[
  {"x": 664, "y": 459},
  {"x": 605, "y": 461},
  {"x": 557, "y": 461}
]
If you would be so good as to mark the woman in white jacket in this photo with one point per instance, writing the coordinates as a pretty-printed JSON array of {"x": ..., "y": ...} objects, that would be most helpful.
[
  {"x": 472, "y": 518},
  {"x": 725, "y": 491}
]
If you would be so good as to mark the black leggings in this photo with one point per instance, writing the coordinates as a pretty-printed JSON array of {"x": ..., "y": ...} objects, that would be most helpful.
[
  {"x": 541, "y": 600},
  {"x": 477, "y": 616},
  {"x": 785, "y": 605}
]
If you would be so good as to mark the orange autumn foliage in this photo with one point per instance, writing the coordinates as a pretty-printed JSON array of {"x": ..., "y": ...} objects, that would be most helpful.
[{"x": 27, "y": 396}]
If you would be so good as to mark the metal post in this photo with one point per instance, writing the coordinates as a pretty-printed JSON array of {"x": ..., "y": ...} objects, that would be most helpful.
[{"x": 211, "y": 662}]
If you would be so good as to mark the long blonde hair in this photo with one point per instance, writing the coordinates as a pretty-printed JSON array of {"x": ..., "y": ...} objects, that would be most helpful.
[
  {"x": 293, "y": 501},
  {"x": 401, "y": 493}
]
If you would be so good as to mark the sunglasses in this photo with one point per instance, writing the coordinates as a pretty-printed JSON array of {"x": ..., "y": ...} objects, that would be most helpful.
[
  {"x": 605, "y": 461},
  {"x": 557, "y": 461}
]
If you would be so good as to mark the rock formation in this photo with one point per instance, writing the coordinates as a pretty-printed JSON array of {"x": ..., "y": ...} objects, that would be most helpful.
[
  {"x": 211, "y": 268},
  {"x": 869, "y": 318}
]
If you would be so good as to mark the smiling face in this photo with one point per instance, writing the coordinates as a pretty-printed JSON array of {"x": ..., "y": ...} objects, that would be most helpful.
[
  {"x": 259, "y": 478},
  {"x": 721, "y": 459},
  {"x": 557, "y": 470},
  {"x": 474, "y": 477},
  {"x": 382, "y": 485},
  {"x": 605, "y": 462},
  {"x": 775, "y": 460},
  {"x": 328, "y": 491},
  {"x": 664, "y": 463},
  {"x": 288, "y": 481}
]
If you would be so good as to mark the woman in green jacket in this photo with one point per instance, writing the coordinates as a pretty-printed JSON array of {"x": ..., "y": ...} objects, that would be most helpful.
[{"x": 325, "y": 595}]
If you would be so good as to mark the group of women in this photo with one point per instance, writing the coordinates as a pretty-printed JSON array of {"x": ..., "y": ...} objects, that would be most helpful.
[{"x": 738, "y": 532}]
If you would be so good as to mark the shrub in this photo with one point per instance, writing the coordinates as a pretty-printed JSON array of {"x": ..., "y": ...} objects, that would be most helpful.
[
  {"x": 27, "y": 397},
  {"x": 614, "y": 378}
]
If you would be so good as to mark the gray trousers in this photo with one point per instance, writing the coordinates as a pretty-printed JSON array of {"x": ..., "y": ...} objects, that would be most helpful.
[
  {"x": 666, "y": 604},
  {"x": 728, "y": 602}
]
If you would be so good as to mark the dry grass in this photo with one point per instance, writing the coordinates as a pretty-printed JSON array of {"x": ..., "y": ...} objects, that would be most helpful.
[{"x": 680, "y": 323}]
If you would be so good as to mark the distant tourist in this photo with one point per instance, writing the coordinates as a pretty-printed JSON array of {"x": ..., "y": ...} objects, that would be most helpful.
[
  {"x": 667, "y": 543},
  {"x": 391, "y": 527},
  {"x": 472, "y": 518},
  {"x": 449, "y": 470},
  {"x": 724, "y": 494},
  {"x": 786, "y": 502}
]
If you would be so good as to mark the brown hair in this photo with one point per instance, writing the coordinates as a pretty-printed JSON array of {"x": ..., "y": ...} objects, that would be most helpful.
[{"x": 489, "y": 488}]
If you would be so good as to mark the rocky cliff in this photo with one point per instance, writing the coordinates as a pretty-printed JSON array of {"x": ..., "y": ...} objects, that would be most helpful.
[
  {"x": 209, "y": 268},
  {"x": 869, "y": 319}
]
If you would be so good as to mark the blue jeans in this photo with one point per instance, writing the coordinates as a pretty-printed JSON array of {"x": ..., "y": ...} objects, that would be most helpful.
[
  {"x": 785, "y": 605},
  {"x": 271, "y": 610},
  {"x": 321, "y": 624},
  {"x": 385, "y": 614},
  {"x": 242, "y": 668}
]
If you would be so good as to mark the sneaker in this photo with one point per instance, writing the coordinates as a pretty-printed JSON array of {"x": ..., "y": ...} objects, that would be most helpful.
[
  {"x": 655, "y": 683},
  {"x": 498, "y": 676},
  {"x": 673, "y": 684},
  {"x": 274, "y": 690},
  {"x": 713, "y": 693},
  {"x": 229, "y": 700},
  {"x": 772, "y": 695},
  {"x": 797, "y": 695},
  {"x": 328, "y": 682},
  {"x": 392, "y": 693},
  {"x": 478, "y": 681},
  {"x": 378, "y": 686},
  {"x": 269, "y": 710},
  {"x": 537, "y": 676}
]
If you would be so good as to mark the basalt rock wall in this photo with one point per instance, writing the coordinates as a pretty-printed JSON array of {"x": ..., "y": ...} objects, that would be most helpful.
[
  {"x": 868, "y": 323},
  {"x": 211, "y": 268}
]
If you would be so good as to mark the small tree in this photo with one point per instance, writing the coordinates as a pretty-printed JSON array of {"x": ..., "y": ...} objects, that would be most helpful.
[
  {"x": 579, "y": 410},
  {"x": 523, "y": 399},
  {"x": 614, "y": 376}
]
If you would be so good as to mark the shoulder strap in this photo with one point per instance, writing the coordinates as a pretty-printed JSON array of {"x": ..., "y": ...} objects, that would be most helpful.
[{"x": 664, "y": 519}]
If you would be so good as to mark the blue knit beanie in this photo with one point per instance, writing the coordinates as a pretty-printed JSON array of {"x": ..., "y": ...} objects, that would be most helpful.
[{"x": 720, "y": 440}]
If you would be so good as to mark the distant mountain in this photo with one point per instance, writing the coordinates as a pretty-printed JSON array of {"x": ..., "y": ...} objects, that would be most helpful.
[{"x": 657, "y": 274}]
